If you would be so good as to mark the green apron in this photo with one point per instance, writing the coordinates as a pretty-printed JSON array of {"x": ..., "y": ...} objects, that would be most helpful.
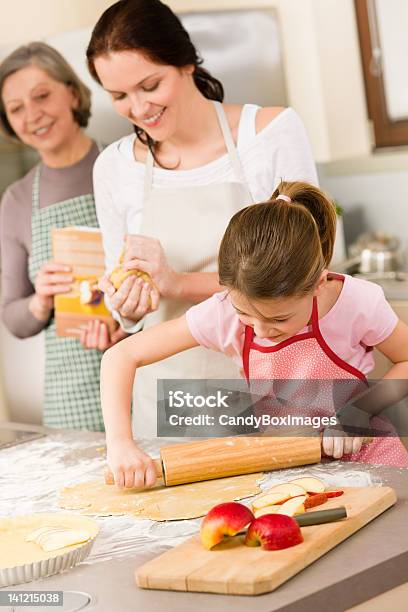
[{"x": 71, "y": 386}]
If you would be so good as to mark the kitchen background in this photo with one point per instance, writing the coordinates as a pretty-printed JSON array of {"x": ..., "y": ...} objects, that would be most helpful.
[{"x": 305, "y": 54}]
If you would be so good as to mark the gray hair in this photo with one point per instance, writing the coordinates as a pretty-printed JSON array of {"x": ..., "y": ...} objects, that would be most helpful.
[{"x": 51, "y": 61}]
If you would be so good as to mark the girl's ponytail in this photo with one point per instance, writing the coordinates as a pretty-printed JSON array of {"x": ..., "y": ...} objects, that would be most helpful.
[
  {"x": 320, "y": 207},
  {"x": 279, "y": 248}
]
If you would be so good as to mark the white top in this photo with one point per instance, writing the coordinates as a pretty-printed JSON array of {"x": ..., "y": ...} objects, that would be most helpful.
[{"x": 280, "y": 151}]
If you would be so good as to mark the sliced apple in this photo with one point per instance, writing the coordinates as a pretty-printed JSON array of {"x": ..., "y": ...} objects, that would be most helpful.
[
  {"x": 267, "y": 510},
  {"x": 309, "y": 484},
  {"x": 315, "y": 500},
  {"x": 269, "y": 499},
  {"x": 335, "y": 493},
  {"x": 289, "y": 488},
  {"x": 295, "y": 505}
]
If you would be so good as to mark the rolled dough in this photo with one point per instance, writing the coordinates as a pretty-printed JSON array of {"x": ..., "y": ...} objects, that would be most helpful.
[{"x": 161, "y": 503}]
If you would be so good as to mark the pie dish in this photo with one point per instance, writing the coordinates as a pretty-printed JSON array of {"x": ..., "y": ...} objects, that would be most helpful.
[{"x": 23, "y": 561}]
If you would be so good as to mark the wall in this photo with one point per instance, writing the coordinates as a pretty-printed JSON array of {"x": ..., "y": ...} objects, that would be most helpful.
[
  {"x": 46, "y": 18},
  {"x": 372, "y": 201}
]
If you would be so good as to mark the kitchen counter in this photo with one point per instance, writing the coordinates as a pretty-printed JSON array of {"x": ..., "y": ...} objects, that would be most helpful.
[{"x": 370, "y": 562}]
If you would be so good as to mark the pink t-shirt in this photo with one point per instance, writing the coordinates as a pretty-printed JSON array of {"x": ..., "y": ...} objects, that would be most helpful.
[{"x": 361, "y": 317}]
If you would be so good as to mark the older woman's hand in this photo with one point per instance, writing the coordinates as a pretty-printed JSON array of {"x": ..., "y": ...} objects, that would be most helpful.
[
  {"x": 52, "y": 279},
  {"x": 134, "y": 299},
  {"x": 147, "y": 254}
]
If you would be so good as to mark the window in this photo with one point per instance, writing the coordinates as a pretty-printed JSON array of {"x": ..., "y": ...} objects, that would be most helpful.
[{"x": 382, "y": 28}]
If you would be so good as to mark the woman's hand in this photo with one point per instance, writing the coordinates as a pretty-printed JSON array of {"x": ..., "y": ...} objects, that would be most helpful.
[
  {"x": 134, "y": 299},
  {"x": 96, "y": 336},
  {"x": 130, "y": 466},
  {"x": 147, "y": 254},
  {"x": 336, "y": 443},
  {"x": 52, "y": 279}
]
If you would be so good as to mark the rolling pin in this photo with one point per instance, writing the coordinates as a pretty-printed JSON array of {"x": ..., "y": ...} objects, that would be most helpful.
[{"x": 222, "y": 457}]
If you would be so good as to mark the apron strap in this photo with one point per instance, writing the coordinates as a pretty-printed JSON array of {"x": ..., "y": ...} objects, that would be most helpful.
[
  {"x": 249, "y": 336},
  {"x": 232, "y": 152},
  {"x": 148, "y": 177},
  {"x": 231, "y": 148},
  {"x": 35, "y": 194}
]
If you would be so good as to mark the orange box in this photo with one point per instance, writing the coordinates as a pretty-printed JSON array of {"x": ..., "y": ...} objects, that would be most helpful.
[{"x": 81, "y": 248}]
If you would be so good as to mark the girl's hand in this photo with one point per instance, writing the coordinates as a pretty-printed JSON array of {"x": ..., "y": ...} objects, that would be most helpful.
[
  {"x": 130, "y": 466},
  {"x": 52, "y": 279},
  {"x": 134, "y": 299},
  {"x": 96, "y": 336},
  {"x": 340, "y": 443},
  {"x": 147, "y": 254}
]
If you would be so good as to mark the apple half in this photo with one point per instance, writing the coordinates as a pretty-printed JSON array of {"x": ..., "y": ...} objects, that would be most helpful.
[
  {"x": 225, "y": 519},
  {"x": 273, "y": 532}
]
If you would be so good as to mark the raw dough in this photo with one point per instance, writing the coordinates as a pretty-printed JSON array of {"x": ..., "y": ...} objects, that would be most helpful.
[
  {"x": 161, "y": 503},
  {"x": 53, "y": 538},
  {"x": 14, "y": 550}
]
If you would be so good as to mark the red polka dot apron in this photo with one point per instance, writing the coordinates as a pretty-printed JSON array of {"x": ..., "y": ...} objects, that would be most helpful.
[{"x": 308, "y": 357}]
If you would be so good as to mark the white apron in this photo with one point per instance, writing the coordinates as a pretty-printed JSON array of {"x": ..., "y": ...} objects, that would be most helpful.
[{"x": 189, "y": 222}]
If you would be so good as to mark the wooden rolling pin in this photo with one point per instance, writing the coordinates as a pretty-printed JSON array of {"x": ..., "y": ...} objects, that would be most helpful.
[{"x": 222, "y": 457}]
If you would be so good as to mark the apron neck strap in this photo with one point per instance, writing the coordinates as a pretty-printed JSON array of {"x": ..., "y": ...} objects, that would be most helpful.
[
  {"x": 231, "y": 148},
  {"x": 35, "y": 194},
  {"x": 229, "y": 142},
  {"x": 148, "y": 178},
  {"x": 249, "y": 336},
  {"x": 315, "y": 318}
]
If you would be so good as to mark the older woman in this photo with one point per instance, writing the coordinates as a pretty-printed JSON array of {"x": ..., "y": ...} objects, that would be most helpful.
[
  {"x": 44, "y": 105},
  {"x": 173, "y": 185}
]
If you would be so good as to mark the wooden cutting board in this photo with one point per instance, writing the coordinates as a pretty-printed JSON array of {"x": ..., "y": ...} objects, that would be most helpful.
[{"x": 235, "y": 569}]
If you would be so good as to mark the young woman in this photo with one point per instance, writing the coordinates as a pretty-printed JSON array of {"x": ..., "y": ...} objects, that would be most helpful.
[
  {"x": 44, "y": 105},
  {"x": 283, "y": 316},
  {"x": 172, "y": 186}
]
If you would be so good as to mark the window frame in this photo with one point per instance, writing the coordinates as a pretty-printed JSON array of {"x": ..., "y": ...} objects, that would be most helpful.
[{"x": 387, "y": 133}]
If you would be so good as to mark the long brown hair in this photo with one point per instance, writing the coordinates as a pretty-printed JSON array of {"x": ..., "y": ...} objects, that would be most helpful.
[
  {"x": 150, "y": 27},
  {"x": 279, "y": 248}
]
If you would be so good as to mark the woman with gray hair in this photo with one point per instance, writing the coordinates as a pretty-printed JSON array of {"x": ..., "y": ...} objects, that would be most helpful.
[{"x": 43, "y": 104}]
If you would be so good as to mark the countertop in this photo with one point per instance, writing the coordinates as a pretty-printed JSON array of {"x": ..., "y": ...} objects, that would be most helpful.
[{"x": 370, "y": 562}]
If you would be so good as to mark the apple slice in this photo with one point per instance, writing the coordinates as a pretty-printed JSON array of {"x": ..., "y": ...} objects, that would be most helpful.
[
  {"x": 273, "y": 532},
  {"x": 269, "y": 499},
  {"x": 309, "y": 484},
  {"x": 335, "y": 493},
  {"x": 293, "y": 506},
  {"x": 224, "y": 520},
  {"x": 267, "y": 510},
  {"x": 315, "y": 500},
  {"x": 289, "y": 488}
]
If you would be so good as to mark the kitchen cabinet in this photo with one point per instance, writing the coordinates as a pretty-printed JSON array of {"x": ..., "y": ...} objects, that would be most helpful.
[{"x": 323, "y": 75}]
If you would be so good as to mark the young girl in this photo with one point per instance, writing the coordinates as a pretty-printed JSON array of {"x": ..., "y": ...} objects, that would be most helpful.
[{"x": 283, "y": 315}]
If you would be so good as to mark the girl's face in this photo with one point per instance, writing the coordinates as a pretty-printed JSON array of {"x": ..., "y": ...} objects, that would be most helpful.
[
  {"x": 277, "y": 319},
  {"x": 151, "y": 96},
  {"x": 39, "y": 109}
]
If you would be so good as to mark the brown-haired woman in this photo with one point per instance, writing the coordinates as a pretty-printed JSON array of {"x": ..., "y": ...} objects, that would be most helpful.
[
  {"x": 173, "y": 186},
  {"x": 44, "y": 105},
  {"x": 283, "y": 316}
]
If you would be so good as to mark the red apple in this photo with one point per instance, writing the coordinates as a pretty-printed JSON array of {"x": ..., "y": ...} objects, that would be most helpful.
[
  {"x": 273, "y": 532},
  {"x": 315, "y": 500},
  {"x": 224, "y": 520}
]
